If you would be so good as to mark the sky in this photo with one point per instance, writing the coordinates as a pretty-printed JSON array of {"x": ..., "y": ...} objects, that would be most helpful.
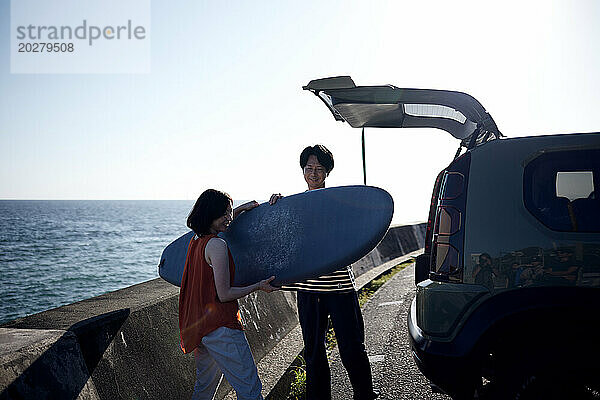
[{"x": 222, "y": 105}]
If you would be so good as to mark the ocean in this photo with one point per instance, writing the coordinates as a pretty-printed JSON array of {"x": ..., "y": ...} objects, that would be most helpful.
[{"x": 56, "y": 252}]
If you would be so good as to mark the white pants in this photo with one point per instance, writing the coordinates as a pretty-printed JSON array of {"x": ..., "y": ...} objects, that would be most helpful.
[{"x": 226, "y": 352}]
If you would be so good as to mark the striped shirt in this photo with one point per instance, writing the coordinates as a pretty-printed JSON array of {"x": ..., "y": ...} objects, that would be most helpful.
[{"x": 339, "y": 281}]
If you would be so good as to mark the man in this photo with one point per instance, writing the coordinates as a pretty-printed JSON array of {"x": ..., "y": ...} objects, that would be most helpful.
[
  {"x": 483, "y": 273},
  {"x": 332, "y": 296}
]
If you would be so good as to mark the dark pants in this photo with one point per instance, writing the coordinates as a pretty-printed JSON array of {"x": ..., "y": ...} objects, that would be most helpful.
[{"x": 348, "y": 325}]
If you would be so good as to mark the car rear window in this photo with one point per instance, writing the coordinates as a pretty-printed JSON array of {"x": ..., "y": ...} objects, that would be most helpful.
[{"x": 561, "y": 190}]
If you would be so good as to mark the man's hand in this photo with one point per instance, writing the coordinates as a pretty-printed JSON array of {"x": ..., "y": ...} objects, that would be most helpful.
[{"x": 274, "y": 198}]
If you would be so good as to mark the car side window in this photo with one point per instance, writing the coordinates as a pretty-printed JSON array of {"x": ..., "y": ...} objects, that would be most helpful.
[
  {"x": 575, "y": 185},
  {"x": 561, "y": 190}
]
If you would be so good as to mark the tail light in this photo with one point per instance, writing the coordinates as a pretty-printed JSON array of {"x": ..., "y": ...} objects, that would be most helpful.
[
  {"x": 432, "y": 209},
  {"x": 423, "y": 260},
  {"x": 448, "y": 228}
]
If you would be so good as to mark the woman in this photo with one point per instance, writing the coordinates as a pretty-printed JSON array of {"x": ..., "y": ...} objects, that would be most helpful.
[
  {"x": 333, "y": 296},
  {"x": 209, "y": 317}
]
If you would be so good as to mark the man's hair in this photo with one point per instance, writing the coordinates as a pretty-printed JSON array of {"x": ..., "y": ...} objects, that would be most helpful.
[
  {"x": 321, "y": 152},
  {"x": 211, "y": 205}
]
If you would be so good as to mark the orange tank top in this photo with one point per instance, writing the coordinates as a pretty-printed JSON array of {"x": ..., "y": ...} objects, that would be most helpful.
[{"x": 200, "y": 311}]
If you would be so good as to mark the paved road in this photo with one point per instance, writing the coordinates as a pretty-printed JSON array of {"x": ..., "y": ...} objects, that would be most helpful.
[{"x": 394, "y": 372}]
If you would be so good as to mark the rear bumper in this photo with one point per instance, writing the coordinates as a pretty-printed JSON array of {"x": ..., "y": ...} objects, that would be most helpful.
[
  {"x": 441, "y": 362},
  {"x": 557, "y": 316}
]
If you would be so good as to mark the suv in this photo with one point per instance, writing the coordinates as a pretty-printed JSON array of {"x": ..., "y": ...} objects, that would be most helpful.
[{"x": 508, "y": 287}]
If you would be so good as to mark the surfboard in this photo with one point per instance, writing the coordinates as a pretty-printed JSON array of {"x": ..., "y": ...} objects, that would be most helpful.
[{"x": 302, "y": 236}]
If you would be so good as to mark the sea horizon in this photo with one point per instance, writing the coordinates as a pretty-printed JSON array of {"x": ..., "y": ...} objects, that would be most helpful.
[{"x": 57, "y": 252}]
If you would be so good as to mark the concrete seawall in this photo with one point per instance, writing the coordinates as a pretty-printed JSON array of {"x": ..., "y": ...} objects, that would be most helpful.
[{"x": 125, "y": 344}]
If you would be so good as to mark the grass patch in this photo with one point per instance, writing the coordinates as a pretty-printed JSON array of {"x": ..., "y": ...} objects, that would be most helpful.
[
  {"x": 298, "y": 385},
  {"x": 298, "y": 369},
  {"x": 369, "y": 289}
]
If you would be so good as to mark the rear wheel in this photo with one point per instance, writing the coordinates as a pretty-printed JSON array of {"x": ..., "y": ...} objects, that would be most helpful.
[
  {"x": 542, "y": 356},
  {"x": 536, "y": 386},
  {"x": 537, "y": 376}
]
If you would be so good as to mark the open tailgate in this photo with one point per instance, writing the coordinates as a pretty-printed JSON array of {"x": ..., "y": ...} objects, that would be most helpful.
[{"x": 457, "y": 113}]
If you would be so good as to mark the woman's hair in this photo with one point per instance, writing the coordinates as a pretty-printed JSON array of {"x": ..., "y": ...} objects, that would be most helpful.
[
  {"x": 321, "y": 152},
  {"x": 211, "y": 205}
]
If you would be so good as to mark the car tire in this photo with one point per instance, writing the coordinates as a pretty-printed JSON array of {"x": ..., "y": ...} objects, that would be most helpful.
[{"x": 536, "y": 381}]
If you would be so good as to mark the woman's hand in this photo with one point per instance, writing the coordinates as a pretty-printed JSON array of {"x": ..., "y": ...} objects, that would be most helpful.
[
  {"x": 216, "y": 255},
  {"x": 244, "y": 207},
  {"x": 248, "y": 206},
  {"x": 265, "y": 285},
  {"x": 274, "y": 198}
]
